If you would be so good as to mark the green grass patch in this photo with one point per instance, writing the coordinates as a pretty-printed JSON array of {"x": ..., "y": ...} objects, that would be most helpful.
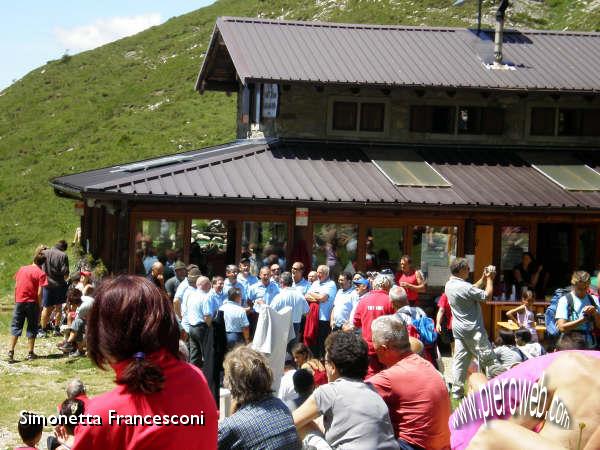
[{"x": 39, "y": 385}]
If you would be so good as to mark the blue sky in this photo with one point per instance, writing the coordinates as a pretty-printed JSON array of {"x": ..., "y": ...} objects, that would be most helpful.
[{"x": 35, "y": 31}]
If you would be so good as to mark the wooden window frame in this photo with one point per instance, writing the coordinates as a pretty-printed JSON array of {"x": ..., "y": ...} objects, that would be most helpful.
[{"x": 357, "y": 132}]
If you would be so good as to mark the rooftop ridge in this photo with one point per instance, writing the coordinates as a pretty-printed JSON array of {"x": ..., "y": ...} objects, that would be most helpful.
[{"x": 320, "y": 24}]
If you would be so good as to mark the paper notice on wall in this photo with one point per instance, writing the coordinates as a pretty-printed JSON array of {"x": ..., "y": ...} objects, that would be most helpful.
[
  {"x": 471, "y": 260},
  {"x": 437, "y": 275}
]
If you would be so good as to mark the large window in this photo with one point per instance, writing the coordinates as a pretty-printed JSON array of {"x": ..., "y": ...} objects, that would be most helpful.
[
  {"x": 334, "y": 245},
  {"x": 476, "y": 120},
  {"x": 157, "y": 240},
  {"x": 432, "y": 119},
  {"x": 514, "y": 242},
  {"x": 385, "y": 246},
  {"x": 433, "y": 249},
  {"x": 542, "y": 121},
  {"x": 208, "y": 247},
  {"x": 565, "y": 122},
  {"x": 358, "y": 116},
  {"x": 586, "y": 249},
  {"x": 264, "y": 243},
  {"x": 345, "y": 116}
]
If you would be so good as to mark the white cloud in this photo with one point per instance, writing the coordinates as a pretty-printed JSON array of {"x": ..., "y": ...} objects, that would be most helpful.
[{"x": 103, "y": 31}]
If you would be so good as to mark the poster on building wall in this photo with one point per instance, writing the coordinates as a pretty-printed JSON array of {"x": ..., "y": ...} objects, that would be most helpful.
[
  {"x": 435, "y": 257},
  {"x": 301, "y": 217},
  {"x": 270, "y": 100}
]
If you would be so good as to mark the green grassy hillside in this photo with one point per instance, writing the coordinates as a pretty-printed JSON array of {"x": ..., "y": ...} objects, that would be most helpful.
[{"x": 134, "y": 98}]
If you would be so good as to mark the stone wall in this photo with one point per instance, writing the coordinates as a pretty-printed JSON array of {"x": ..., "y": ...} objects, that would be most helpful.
[{"x": 304, "y": 112}]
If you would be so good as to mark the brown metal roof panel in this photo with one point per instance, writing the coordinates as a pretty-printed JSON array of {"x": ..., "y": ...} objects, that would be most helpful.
[
  {"x": 190, "y": 183},
  {"x": 438, "y": 57},
  {"x": 279, "y": 174},
  {"x": 431, "y": 196}
]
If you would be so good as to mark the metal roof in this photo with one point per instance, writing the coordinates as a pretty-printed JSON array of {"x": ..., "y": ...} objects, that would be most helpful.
[
  {"x": 249, "y": 50},
  {"x": 314, "y": 172}
]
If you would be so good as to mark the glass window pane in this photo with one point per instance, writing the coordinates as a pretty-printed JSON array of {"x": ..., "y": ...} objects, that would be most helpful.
[
  {"x": 492, "y": 121},
  {"x": 208, "y": 249},
  {"x": 542, "y": 121},
  {"x": 405, "y": 168},
  {"x": 334, "y": 245},
  {"x": 442, "y": 119},
  {"x": 469, "y": 120},
  {"x": 513, "y": 243},
  {"x": 572, "y": 177},
  {"x": 371, "y": 116},
  {"x": 344, "y": 116},
  {"x": 569, "y": 122},
  {"x": 586, "y": 249},
  {"x": 433, "y": 248},
  {"x": 264, "y": 243},
  {"x": 384, "y": 248},
  {"x": 590, "y": 121},
  {"x": 157, "y": 240}
]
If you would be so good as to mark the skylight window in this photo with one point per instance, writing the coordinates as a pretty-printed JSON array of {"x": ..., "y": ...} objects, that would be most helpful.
[
  {"x": 406, "y": 168},
  {"x": 566, "y": 171}
]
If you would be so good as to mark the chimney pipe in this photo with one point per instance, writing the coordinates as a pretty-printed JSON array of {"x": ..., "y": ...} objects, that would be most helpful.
[{"x": 499, "y": 30}]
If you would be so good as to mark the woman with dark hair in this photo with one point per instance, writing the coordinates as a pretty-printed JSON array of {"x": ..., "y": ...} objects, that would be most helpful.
[
  {"x": 528, "y": 274},
  {"x": 348, "y": 422},
  {"x": 132, "y": 328},
  {"x": 259, "y": 420},
  {"x": 304, "y": 359}
]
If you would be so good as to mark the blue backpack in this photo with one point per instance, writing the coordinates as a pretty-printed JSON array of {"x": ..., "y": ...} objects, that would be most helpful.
[
  {"x": 426, "y": 329},
  {"x": 551, "y": 328}
]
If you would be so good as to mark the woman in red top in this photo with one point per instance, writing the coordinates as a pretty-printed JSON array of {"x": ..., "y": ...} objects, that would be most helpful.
[
  {"x": 410, "y": 279},
  {"x": 305, "y": 360},
  {"x": 160, "y": 402}
]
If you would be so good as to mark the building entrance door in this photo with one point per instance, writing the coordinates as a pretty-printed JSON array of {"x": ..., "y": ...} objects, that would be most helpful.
[{"x": 554, "y": 253}]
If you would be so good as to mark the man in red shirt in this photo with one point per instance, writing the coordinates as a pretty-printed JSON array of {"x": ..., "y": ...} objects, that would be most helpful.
[
  {"x": 444, "y": 313},
  {"x": 411, "y": 280},
  {"x": 419, "y": 411},
  {"x": 376, "y": 304},
  {"x": 29, "y": 281}
]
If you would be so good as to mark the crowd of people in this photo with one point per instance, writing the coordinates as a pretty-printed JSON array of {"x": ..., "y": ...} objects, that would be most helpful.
[{"x": 308, "y": 363}]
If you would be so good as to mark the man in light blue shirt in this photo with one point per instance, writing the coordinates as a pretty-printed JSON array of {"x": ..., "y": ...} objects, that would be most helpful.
[
  {"x": 244, "y": 275},
  {"x": 323, "y": 292},
  {"x": 231, "y": 281},
  {"x": 288, "y": 296},
  {"x": 218, "y": 292},
  {"x": 263, "y": 292},
  {"x": 200, "y": 308},
  {"x": 237, "y": 327},
  {"x": 345, "y": 299},
  {"x": 300, "y": 283},
  {"x": 192, "y": 273},
  {"x": 577, "y": 313},
  {"x": 181, "y": 299}
]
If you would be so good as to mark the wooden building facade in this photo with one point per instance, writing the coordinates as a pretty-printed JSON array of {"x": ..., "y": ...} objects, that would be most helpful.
[{"x": 357, "y": 144}]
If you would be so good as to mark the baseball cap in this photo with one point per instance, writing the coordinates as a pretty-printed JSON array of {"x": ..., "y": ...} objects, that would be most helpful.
[
  {"x": 179, "y": 265},
  {"x": 362, "y": 281}
]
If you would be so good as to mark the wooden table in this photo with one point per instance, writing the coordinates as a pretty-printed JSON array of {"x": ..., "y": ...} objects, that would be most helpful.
[
  {"x": 512, "y": 326},
  {"x": 494, "y": 312}
]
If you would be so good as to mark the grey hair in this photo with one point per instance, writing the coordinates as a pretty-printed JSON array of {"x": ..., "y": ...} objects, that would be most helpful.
[
  {"x": 75, "y": 387},
  {"x": 392, "y": 332},
  {"x": 231, "y": 268},
  {"x": 325, "y": 269},
  {"x": 201, "y": 280},
  {"x": 286, "y": 279},
  {"x": 398, "y": 296},
  {"x": 458, "y": 265},
  {"x": 382, "y": 282}
]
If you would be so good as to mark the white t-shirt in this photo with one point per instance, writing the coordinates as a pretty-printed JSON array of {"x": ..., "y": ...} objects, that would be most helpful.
[{"x": 286, "y": 392}]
